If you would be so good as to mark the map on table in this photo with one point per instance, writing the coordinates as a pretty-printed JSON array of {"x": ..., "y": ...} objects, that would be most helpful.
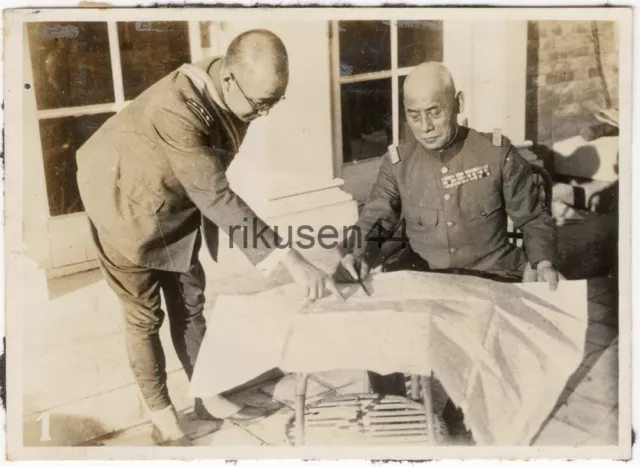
[{"x": 503, "y": 352}]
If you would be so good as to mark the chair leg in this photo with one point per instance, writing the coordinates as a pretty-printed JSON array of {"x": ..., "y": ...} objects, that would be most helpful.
[
  {"x": 301, "y": 393},
  {"x": 366, "y": 384},
  {"x": 428, "y": 407},
  {"x": 415, "y": 387}
]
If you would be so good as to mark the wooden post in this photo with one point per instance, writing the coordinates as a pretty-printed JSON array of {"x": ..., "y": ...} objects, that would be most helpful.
[
  {"x": 301, "y": 392},
  {"x": 428, "y": 407},
  {"x": 415, "y": 387}
]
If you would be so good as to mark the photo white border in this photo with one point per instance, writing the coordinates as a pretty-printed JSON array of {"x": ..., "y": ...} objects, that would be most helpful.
[{"x": 13, "y": 43}]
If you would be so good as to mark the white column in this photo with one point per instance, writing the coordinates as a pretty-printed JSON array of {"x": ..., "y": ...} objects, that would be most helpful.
[
  {"x": 458, "y": 57},
  {"x": 488, "y": 61},
  {"x": 285, "y": 167},
  {"x": 195, "y": 44}
]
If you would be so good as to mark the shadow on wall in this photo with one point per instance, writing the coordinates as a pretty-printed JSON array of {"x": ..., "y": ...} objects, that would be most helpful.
[
  {"x": 587, "y": 247},
  {"x": 585, "y": 156},
  {"x": 602, "y": 200}
]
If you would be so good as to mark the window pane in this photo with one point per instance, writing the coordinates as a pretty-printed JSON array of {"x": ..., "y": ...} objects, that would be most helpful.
[
  {"x": 365, "y": 46},
  {"x": 149, "y": 51},
  {"x": 405, "y": 134},
  {"x": 366, "y": 119},
  {"x": 60, "y": 138},
  {"x": 419, "y": 41},
  {"x": 71, "y": 64}
]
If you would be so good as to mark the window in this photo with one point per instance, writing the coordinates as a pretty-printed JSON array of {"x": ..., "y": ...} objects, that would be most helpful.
[
  {"x": 83, "y": 73},
  {"x": 71, "y": 64},
  {"x": 373, "y": 59},
  {"x": 60, "y": 138},
  {"x": 149, "y": 51}
]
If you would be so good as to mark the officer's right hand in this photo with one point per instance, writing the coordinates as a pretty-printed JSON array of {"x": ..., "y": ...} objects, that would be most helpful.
[
  {"x": 312, "y": 280},
  {"x": 355, "y": 266}
]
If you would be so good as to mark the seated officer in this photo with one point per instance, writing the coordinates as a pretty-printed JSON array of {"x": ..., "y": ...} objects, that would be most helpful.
[{"x": 454, "y": 188}]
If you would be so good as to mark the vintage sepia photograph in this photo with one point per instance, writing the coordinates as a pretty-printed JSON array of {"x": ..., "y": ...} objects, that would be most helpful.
[{"x": 375, "y": 233}]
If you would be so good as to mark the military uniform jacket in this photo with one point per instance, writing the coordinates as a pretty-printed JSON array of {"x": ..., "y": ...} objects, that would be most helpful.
[
  {"x": 455, "y": 203},
  {"x": 155, "y": 172}
]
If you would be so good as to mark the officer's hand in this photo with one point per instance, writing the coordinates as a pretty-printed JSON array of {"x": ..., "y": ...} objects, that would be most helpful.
[
  {"x": 544, "y": 272},
  {"x": 547, "y": 273},
  {"x": 312, "y": 280},
  {"x": 355, "y": 266}
]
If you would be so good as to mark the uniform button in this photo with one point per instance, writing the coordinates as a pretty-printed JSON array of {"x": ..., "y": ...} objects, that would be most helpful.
[
  {"x": 444, "y": 170},
  {"x": 484, "y": 214},
  {"x": 420, "y": 222},
  {"x": 450, "y": 224},
  {"x": 453, "y": 250},
  {"x": 137, "y": 373},
  {"x": 447, "y": 196}
]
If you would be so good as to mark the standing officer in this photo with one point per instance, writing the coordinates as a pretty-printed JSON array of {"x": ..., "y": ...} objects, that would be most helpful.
[
  {"x": 454, "y": 187},
  {"x": 152, "y": 177}
]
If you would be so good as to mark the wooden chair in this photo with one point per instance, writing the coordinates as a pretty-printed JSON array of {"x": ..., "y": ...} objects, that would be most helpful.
[
  {"x": 542, "y": 178},
  {"x": 366, "y": 418}
]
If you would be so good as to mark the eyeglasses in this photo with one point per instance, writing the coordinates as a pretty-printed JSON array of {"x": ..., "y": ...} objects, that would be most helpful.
[{"x": 258, "y": 108}]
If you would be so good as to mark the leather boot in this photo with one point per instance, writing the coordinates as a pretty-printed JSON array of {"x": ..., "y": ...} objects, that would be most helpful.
[{"x": 166, "y": 429}]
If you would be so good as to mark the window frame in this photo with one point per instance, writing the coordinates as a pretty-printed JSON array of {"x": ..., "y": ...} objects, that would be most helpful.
[
  {"x": 337, "y": 81},
  {"x": 195, "y": 50}
]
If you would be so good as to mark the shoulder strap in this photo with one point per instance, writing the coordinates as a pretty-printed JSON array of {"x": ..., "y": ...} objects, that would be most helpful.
[
  {"x": 496, "y": 138},
  {"x": 201, "y": 112},
  {"x": 203, "y": 81},
  {"x": 394, "y": 156}
]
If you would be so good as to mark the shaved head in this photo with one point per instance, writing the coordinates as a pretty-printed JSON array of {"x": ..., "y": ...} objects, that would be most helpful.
[
  {"x": 432, "y": 104},
  {"x": 428, "y": 79},
  {"x": 254, "y": 73},
  {"x": 259, "y": 55}
]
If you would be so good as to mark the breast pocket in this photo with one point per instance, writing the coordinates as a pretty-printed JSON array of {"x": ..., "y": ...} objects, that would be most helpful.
[
  {"x": 422, "y": 219},
  {"x": 485, "y": 208}
]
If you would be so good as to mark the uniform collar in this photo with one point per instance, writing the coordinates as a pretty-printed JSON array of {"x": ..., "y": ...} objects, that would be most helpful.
[
  {"x": 459, "y": 135},
  {"x": 451, "y": 149},
  {"x": 197, "y": 74}
]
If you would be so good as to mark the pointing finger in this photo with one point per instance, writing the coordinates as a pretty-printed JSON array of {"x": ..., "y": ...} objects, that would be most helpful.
[
  {"x": 313, "y": 291},
  {"x": 552, "y": 278}
]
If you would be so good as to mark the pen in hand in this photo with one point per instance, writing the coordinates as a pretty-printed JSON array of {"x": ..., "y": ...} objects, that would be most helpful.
[
  {"x": 363, "y": 287},
  {"x": 347, "y": 272}
]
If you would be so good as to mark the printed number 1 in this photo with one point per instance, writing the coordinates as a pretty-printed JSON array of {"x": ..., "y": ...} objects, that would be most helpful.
[{"x": 45, "y": 433}]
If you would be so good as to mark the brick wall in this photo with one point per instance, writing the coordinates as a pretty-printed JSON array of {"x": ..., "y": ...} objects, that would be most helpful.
[{"x": 565, "y": 73}]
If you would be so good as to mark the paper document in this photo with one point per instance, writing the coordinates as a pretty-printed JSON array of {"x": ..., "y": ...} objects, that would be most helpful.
[{"x": 503, "y": 352}]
